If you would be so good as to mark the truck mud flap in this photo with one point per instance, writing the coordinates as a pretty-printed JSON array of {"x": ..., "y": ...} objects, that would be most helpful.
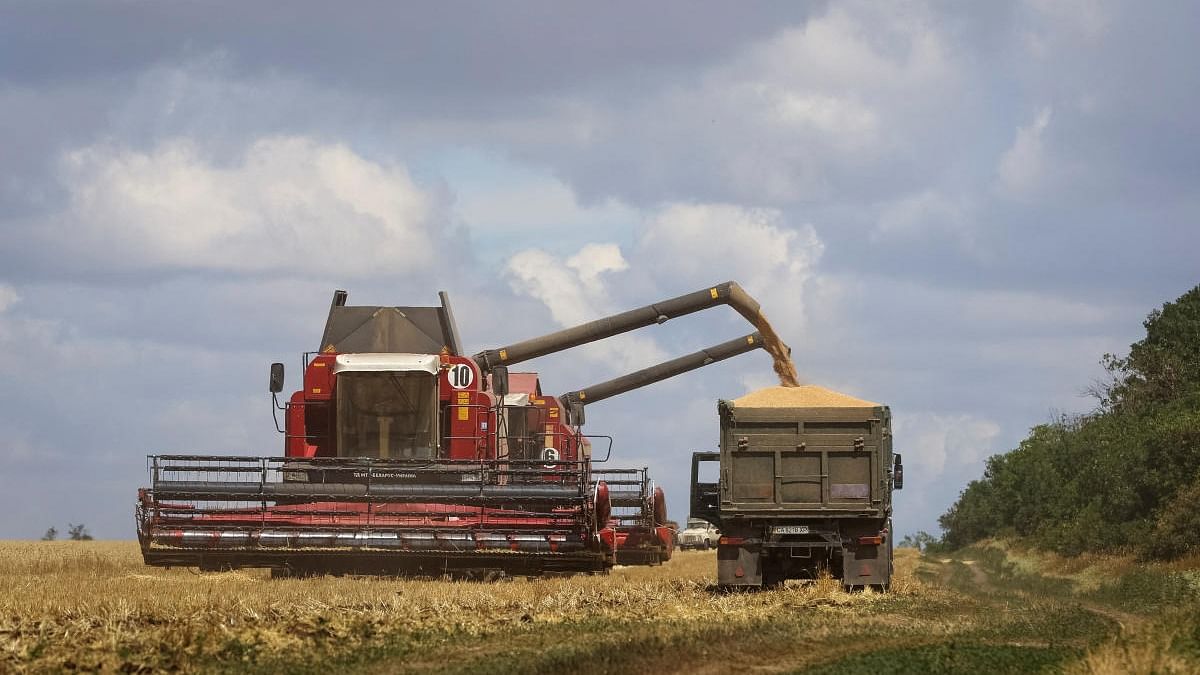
[
  {"x": 739, "y": 566},
  {"x": 864, "y": 566}
]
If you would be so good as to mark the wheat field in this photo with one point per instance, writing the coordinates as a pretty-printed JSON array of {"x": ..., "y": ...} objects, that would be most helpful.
[{"x": 94, "y": 606}]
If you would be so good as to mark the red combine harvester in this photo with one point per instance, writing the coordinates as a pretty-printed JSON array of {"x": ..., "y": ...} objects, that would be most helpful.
[
  {"x": 402, "y": 456},
  {"x": 637, "y": 528}
]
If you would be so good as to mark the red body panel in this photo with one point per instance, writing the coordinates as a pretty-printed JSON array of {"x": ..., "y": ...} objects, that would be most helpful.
[{"x": 469, "y": 413}]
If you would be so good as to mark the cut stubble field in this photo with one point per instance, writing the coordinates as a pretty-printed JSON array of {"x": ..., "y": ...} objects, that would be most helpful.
[{"x": 94, "y": 606}]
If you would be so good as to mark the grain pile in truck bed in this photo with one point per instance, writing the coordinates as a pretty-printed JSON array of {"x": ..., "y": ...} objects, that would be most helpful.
[{"x": 803, "y": 396}]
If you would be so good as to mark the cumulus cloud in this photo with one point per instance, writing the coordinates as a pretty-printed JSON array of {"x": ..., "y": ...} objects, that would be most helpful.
[
  {"x": 932, "y": 443},
  {"x": 1023, "y": 167},
  {"x": 792, "y": 118},
  {"x": 559, "y": 285},
  {"x": 8, "y": 297},
  {"x": 828, "y": 100},
  {"x": 925, "y": 214},
  {"x": 594, "y": 260},
  {"x": 679, "y": 247},
  {"x": 1089, "y": 19},
  {"x": 853, "y": 48},
  {"x": 846, "y": 121},
  {"x": 942, "y": 451},
  {"x": 575, "y": 292},
  {"x": 287, "y": 204},
  {"x": 687, "y": 244}
]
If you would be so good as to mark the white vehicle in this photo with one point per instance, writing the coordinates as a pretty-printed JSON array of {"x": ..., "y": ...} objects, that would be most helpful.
[{"x": 699, "y": 534}]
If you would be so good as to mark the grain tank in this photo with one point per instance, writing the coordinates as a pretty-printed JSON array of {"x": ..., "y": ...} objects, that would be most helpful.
[{"x": 804, "y": 482}]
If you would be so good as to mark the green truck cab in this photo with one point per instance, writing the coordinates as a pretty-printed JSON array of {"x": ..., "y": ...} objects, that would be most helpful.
[{"x": 799, "y": 490}]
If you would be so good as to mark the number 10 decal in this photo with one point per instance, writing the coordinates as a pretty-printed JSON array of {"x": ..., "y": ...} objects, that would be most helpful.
[{"x": 461, "y": 376}]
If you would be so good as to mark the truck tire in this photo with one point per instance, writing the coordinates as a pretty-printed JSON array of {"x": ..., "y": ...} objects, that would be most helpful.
[{"x": 772, "y": 576}]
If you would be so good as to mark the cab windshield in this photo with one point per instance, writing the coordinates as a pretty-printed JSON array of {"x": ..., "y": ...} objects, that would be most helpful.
[{"x": 389, "y": 415}]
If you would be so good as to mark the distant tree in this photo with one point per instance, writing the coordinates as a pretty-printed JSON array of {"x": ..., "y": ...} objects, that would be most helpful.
[
  {"x": 51, "y": 534},
  {"x": 78, "y": 532},
  {"x": 921, "y": 541}
]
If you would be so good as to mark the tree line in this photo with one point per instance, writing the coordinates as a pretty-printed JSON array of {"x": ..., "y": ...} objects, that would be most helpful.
[
  {"x": 1125, "y": 477},
  {"x": 74, "y": 533}
]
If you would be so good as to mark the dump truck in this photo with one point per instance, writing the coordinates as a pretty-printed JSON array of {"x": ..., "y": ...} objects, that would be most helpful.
[
  {"x": 802, "y": 483},
  {"x": 403, "y": 455}
]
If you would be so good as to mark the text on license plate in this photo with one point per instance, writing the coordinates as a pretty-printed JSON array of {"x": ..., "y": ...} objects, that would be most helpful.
[{"x": 789, "y": 529}]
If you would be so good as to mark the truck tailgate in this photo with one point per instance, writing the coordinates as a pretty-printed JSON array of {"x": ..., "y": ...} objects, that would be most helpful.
[{"x": 823, "y": 460}]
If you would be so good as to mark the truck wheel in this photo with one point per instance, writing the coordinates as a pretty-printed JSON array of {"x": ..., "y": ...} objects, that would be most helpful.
[
  {"x": 705, "y": 546},
  {"x": 774, "y": 573}
]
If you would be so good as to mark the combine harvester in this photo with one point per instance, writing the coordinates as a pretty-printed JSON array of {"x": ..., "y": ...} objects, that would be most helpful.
[
  {"x": 403, "y": 456},
  {"x": 637, "y": 529}
]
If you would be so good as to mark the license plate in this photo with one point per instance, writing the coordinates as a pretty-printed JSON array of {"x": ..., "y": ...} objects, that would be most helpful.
[{"x": 789, "y": 529}]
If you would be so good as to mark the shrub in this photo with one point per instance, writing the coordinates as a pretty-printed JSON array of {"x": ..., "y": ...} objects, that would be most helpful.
[{"x": 1177, "y": 531}]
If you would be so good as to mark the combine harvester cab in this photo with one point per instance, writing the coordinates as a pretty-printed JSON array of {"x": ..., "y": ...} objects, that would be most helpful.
[
  {"x": 638, "y": 529},
  {"x": 402, "y": 456}
]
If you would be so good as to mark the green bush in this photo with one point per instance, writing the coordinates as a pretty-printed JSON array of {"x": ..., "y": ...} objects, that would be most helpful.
[{"x": 1177, "y": 531}]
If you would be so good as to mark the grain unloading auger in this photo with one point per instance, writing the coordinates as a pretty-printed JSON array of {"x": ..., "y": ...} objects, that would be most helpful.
[{"x": 402, "y": 456}]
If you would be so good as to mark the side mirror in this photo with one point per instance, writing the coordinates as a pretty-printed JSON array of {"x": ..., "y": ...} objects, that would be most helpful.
[
  {"x": 897, "y": 473},
  {"x": 276, "y": 378},
  {"x": 500, "y": 381}
]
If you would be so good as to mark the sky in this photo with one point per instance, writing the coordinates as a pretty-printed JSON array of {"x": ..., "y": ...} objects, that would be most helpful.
[{"x": 952, "y": 208}]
